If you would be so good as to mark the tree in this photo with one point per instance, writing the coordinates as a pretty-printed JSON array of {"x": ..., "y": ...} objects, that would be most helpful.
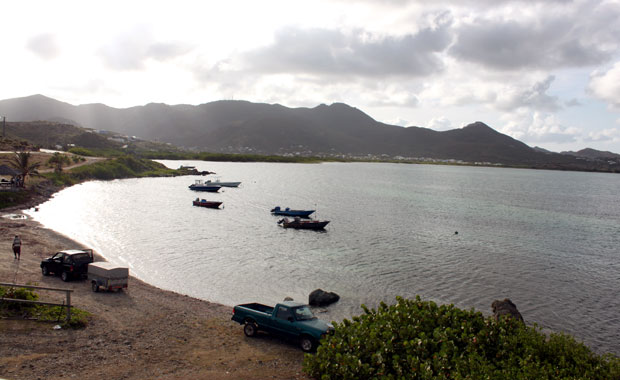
[
  {"x": 22, "y": 162},
  {"x": 58, "y": 160}
]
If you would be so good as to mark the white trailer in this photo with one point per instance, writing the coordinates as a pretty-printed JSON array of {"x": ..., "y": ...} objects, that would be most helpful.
[{"x": 107, "y": 276}]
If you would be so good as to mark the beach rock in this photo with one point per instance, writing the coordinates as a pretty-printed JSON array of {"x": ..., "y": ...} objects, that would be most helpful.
[
  {"x": 505, "y": 308},
  {"x": 288, "y": 299},
  {"x": 320, "y": 297}
]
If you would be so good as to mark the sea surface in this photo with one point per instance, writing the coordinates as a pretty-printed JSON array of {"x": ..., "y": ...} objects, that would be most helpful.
[{"x": 548, "y": 240}]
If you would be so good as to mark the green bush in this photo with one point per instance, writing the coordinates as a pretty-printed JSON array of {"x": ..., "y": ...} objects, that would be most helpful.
[
  {"x": 415, "y": 339},
  {"x": 18, "y": 294},
  {"x": 82, "y": 151},
  {"x": 48, "y": 313}
]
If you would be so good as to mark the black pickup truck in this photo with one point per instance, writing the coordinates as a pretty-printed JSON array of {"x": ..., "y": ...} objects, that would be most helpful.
[{"x": 68, "y": 264}]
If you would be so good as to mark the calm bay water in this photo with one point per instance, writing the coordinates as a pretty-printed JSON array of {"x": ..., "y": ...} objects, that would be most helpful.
[{"x": 548, "y": 240}]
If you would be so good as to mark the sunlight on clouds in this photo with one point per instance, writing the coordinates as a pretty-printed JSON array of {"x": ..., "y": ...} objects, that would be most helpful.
[
  {"x": 538, "y": 127},
  {"x": 606, "y": 85}
]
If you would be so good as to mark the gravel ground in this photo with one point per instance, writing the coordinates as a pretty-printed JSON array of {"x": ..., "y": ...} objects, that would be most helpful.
[{"x": 140, "y": 333}]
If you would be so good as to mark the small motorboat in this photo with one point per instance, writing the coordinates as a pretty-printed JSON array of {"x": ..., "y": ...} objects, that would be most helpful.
[
  {"x": 206, "y": 203},
  {"x": 288, "y": 212},
  {"x": 201, "y": 186},
  {"x": 299, "y": 224},
  {"x": 217, "y": 182}
]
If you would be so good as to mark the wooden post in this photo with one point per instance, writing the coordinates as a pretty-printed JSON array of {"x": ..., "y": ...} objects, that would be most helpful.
[{"x": 68, "y": 307}]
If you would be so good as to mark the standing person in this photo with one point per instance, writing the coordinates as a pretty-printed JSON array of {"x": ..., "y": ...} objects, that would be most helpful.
[{"x": 17, "y": 247}]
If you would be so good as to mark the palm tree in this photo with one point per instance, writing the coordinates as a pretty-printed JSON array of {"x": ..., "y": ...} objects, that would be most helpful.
[{"x": 21, "y": 161}]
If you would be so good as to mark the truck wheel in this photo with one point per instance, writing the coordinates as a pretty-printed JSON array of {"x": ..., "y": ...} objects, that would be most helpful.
[
  {"x": 64, "y": 276},
  {"x": 250, "y": 329},
  {"x": 45, "y": 271},
  {"x": 95, "y": 286},
  {"x": 307, "y": 344}
]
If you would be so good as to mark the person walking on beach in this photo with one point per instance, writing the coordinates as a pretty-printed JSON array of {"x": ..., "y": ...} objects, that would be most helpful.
[{"x": 17, "y": 247}]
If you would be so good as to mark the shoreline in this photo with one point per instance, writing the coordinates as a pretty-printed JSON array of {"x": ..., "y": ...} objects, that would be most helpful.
[{"x": 143, "y": 332}]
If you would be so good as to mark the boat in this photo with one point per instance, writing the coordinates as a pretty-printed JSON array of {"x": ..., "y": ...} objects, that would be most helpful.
[
  {"x": 299, "y": 224},
  {"x": 288, "y": 212},
  {"x": 201, "y": 186},
  {"x": 206, "y": 203},
  {"x": 223, "y": 184}
]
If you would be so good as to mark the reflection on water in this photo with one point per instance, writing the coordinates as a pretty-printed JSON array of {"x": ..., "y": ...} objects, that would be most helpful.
[{"x": 547, "y": 240}]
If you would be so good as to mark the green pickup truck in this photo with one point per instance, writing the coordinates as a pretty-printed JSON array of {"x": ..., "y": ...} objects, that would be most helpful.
[{"x": 290, "y": 319}]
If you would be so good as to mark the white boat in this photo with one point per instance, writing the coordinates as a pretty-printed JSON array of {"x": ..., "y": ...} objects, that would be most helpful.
[{"x": 217, "y": 182}]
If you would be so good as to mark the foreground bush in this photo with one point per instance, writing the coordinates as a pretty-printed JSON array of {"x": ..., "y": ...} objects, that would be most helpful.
[{"x": 415, "y": 339}]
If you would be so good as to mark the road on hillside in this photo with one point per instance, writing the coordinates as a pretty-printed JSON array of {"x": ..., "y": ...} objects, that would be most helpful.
[{"x": 88, "y": 161}]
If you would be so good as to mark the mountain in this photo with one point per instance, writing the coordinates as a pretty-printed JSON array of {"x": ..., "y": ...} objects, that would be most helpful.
[
  {"x": 241, "y": 126},
  {"x": 594, "y": 154}
]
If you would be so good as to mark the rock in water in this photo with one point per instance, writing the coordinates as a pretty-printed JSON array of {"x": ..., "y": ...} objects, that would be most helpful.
[
  {"x": 320, "y": 297},
  {"x": 505, "y": 307}
]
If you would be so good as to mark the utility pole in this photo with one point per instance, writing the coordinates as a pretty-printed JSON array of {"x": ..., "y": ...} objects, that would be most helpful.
[{"x": 3, "y": 126}]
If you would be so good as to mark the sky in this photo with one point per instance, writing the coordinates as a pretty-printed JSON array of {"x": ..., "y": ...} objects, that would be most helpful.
[{"x": 546, "y": 72}]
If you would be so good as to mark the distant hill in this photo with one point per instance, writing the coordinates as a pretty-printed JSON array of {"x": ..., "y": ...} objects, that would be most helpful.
[
  {"x": 593, "y": 154},
  {"x": 242, "y": 127}
]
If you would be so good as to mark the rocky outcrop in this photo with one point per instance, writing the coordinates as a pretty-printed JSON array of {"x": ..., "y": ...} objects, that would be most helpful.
[
  {"x": 505, "y": 308},
  {"x": 319, "y": 297}
]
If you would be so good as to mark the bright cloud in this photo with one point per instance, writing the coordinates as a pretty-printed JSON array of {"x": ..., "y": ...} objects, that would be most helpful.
[{"x": 606, "y": 85}]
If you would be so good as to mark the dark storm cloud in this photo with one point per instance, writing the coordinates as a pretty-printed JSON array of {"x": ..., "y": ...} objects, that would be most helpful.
[
  {"x": 334, "y": 53},
  {"x": 44, "y": 46}
]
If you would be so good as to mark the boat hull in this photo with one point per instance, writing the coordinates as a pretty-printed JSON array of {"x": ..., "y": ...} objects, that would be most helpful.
[
  {"x": 210, "y": 188},
  {"x": 293, "y": 213},
  {"x": 208, "y": 204},
  {"x": 223, "y": 184},
  {"x": 304, "y": 224}
]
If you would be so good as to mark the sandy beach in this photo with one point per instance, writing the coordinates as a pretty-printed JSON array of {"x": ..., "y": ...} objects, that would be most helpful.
[{"x": 140, "y": 333}]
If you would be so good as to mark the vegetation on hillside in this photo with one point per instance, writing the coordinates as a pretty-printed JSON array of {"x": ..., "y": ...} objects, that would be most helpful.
[
  {"x": 206, "y": 156},
  {"x": 415, "y": 339},
  {"x": 121, "y": 167}
]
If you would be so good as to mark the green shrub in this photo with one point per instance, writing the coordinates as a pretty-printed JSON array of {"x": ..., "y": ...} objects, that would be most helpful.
[
  {"x": 82, "y": 151},
  {"x": 48, "y": 313},
  {"x": 18, "y": 294},
  {"x": 415, "y": 339}
]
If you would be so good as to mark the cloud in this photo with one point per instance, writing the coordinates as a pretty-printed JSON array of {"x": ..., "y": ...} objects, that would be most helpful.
[
  {"x": 534, "y": 98},
  {"x": 577, "y": 35},
  {"x": 605, "y": 135},
  {"x": 131, "y": 50},
  {"x": 44, "y": 46},
  {"x": 440, "y": 124},
  {"x": 338, "y": 54},
  {"x": 538, "y": 127},
  {"x": 606, "y": 85}
]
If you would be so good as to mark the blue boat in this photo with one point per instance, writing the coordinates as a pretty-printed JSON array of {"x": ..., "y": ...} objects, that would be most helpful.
[
  {"x": 288, "y": 212},
  {"x": 201, "y": 186}
]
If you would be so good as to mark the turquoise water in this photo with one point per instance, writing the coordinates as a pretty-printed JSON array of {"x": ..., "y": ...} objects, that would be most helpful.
[{"x": 547, "y": 240}]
